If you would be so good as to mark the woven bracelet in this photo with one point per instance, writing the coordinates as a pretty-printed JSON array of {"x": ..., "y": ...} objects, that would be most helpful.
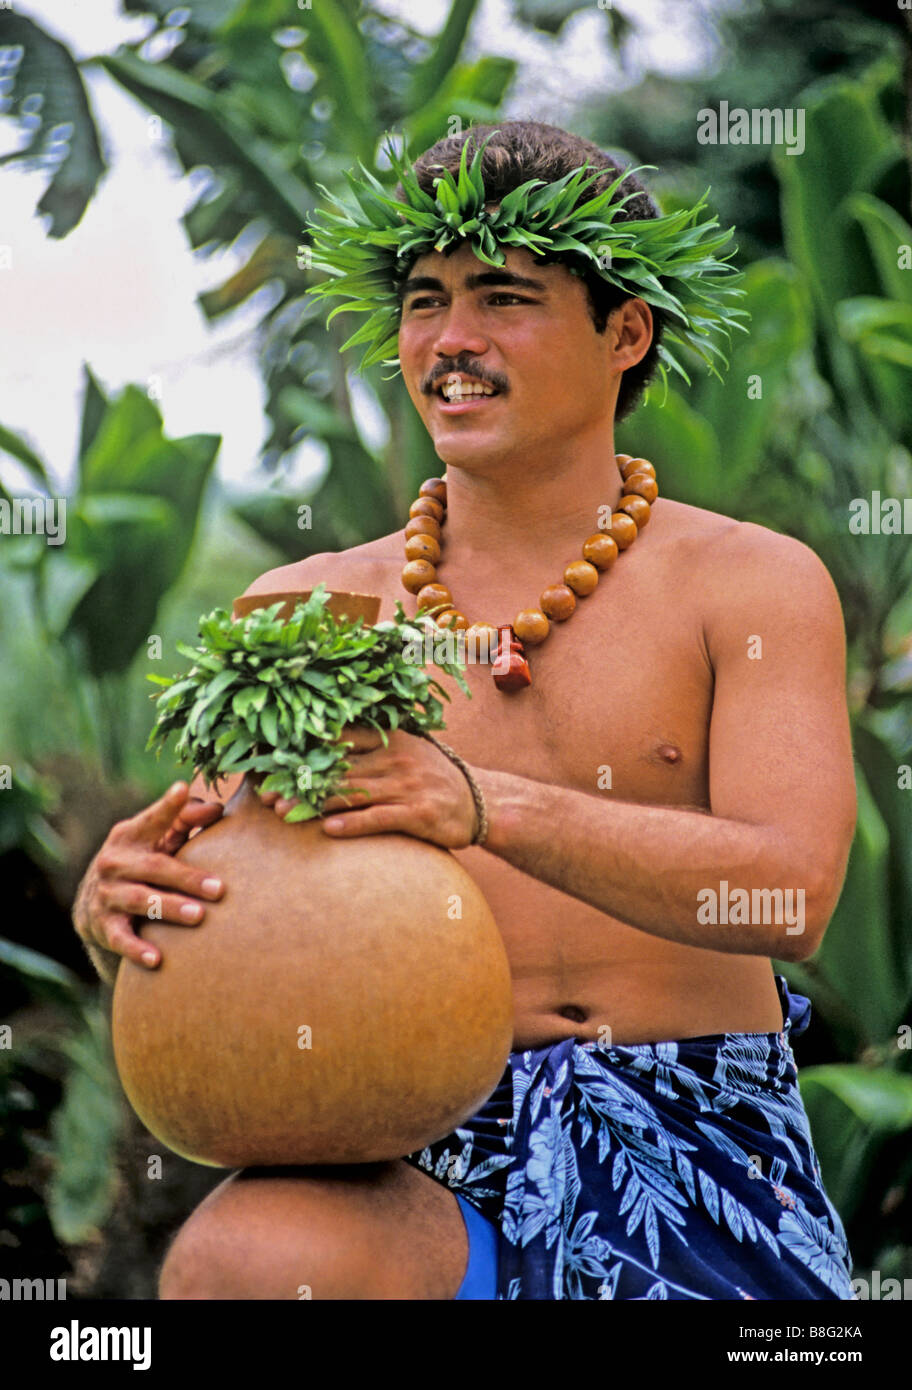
[{"x": 482, "y": 833}]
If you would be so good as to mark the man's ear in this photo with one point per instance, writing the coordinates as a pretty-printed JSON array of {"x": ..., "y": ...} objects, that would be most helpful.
[{"x": 630, "y": 328}]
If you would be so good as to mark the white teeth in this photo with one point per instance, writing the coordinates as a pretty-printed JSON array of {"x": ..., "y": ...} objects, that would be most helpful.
[{"x": 455, "y": 390}]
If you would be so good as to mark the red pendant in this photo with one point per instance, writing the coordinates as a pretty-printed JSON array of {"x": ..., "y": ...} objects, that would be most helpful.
[{"x": 511, "y": 669}]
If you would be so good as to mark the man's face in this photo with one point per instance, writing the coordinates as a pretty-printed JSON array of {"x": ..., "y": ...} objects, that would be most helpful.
[{"x": 523, "y": 328}]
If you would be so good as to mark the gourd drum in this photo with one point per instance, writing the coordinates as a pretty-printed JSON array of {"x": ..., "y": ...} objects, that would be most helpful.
[{"x": 346, "y": 1001}]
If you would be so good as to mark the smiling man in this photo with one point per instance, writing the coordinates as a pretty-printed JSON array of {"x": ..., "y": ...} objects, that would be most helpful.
[{"x": 662, "y": 758}]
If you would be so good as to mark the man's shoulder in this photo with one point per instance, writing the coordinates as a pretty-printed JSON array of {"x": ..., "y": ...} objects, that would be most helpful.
[
  {"x": 358, "y": 569},
  {"x": 751, "y": 578},
  {"x": 743, "y": 551}
]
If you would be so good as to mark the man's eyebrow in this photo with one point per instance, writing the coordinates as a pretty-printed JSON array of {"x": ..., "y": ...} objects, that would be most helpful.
[{"x": 483, "y": 279}]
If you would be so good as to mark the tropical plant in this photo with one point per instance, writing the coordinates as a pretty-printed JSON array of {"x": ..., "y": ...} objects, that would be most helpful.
[
  {"x": 129, "y": 527},
  {"x": 55, "y": 1057},
  {"x": 817, "y": 415},
  {"x": 822, "y": 416},
  {"x": 262, "y": 103}
]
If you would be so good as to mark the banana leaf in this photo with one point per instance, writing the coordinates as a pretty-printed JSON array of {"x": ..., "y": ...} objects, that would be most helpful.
[
  {"x": 859, "y": 952},
  {"x": 85, "y": 1130},
  {"x": 47, "y": 72},
  {"x": 853, "y": 1110}
]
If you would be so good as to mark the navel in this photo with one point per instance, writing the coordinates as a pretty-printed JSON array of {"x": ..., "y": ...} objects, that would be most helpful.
[{"x": 573, "y": 1012}]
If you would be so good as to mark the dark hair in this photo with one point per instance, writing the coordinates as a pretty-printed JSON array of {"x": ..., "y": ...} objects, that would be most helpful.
[{"x": 523, "y": 150}]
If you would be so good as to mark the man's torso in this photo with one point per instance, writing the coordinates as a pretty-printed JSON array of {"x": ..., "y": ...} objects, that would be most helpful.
[{"x": 619, "y": 708}]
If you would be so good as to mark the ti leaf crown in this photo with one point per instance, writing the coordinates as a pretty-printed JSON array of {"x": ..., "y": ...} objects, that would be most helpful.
[{"x": 672, "y": 262}]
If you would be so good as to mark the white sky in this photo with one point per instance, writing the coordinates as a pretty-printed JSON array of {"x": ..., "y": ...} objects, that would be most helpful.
[{"x": 119, "y": 291}]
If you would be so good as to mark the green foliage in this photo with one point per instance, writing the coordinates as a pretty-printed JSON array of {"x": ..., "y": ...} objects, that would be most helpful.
[
  {"x": 271, "y": 696},
  {"x": 18, "y": 449},
  {"x": 135, "y": 519},
  {"x": 85, "y": 1130},
  {"x": 46, "y": 977},
  {"x": 861, "y": 964},
  {"x": 231, "y": 109},
  {"x": 23, "y": 805},
  {"x": 854, "y": 1109},
  {"x": 130, "y": 526},
  {"x": 85, "y": 1126},
  {"x": 830, "y": 340},
  {"x": 54, "y": 107},
  {"x": 817, "y": 411},
  {"x": 209, "y": 130}
]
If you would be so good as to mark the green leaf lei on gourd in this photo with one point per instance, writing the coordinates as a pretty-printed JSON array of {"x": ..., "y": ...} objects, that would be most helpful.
[
  {"x": 671, "y": 262},
  {"x": 267, "y": 695}
]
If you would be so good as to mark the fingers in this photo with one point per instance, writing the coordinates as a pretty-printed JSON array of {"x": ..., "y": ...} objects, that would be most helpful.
[
  {"x": 121, "y": 938},
  {"x": 117, "y": 900},
  {"x": 348, "y": 798},
  {"x": 156, "y": 870},
  {"x": 356, "y": 796},
  {"x": 135, "y": 874},
  {"x": 120, "y": 897},
  {"x": 377, "y": 820},
  {"x": 363, "y": 738},
  {"x": 152, "y": 823},
  {"x": 196, "y": 814}
]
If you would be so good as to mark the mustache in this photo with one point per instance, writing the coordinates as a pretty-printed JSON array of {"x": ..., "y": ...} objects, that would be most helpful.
[{"x": 471, "y": 368}]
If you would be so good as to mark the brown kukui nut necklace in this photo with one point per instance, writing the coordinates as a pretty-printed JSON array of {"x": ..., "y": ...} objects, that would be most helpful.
[{"x": 424, "y": 545}]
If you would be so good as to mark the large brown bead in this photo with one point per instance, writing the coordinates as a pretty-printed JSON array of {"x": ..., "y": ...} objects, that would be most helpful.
[
  {"x": 434, "y": 487},
  {"x": 531, "y": 625},
  {"x": 633, "y": 465},
  {"x": 600, "y": 550},
  {"x": 453, "y": 619},
  {"x": 621, "y": 459},
  {"x": 581, "y": 576},
  {"x": 641, "y": 485},
  {"x": 422, "y": 548},
  {"x": 423, "y": 526},
  {"x": 557, "y": 602},
  {"x": 428, "y": 506},
  {"x": 623, "y": 530},
  {"x": 638, "y": 508},
  {"x": 416, "y": 574},
  {"x": 430, "y": 595}
]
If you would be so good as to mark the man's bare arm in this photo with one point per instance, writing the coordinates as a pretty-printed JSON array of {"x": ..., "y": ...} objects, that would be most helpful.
[
  {"x": 782, "y": 790},
  {"x": 136, "y": 859}
]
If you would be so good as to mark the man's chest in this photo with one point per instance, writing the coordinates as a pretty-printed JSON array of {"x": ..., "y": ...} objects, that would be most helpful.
[{"x": 619, "y": 704}]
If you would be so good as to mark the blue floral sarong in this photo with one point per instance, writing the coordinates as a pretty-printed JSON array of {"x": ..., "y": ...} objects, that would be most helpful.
[{"x": 675, "y": 1170}]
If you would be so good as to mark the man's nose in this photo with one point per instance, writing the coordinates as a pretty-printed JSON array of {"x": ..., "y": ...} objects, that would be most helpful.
[{"x": 460, "y": 332}]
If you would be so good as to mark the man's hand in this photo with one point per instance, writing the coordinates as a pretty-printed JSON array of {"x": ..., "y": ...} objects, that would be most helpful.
[
  {"x": 135, "y": 863},
  {"x": 409, "y": 787}
]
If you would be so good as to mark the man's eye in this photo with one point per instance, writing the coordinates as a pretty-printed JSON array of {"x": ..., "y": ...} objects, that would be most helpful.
[{"x": 430, "y": 301}]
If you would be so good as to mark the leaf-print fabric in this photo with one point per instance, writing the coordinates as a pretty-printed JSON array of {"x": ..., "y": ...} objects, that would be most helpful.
[{"x": 679, "y": 1170}]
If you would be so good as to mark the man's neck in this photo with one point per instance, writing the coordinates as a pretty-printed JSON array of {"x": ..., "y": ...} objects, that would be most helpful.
[{"x": 529, "y": 508}]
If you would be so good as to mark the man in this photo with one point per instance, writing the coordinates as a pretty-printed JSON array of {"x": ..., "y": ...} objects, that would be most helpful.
[{"x": 684, "y": 738}]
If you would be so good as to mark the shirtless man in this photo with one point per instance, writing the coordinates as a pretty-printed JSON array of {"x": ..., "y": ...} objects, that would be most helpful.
[{"x": 725, "y": 767}]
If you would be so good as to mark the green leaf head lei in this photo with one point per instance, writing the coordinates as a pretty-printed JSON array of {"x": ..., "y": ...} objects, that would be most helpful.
[{"x": 672, "y": 262}]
